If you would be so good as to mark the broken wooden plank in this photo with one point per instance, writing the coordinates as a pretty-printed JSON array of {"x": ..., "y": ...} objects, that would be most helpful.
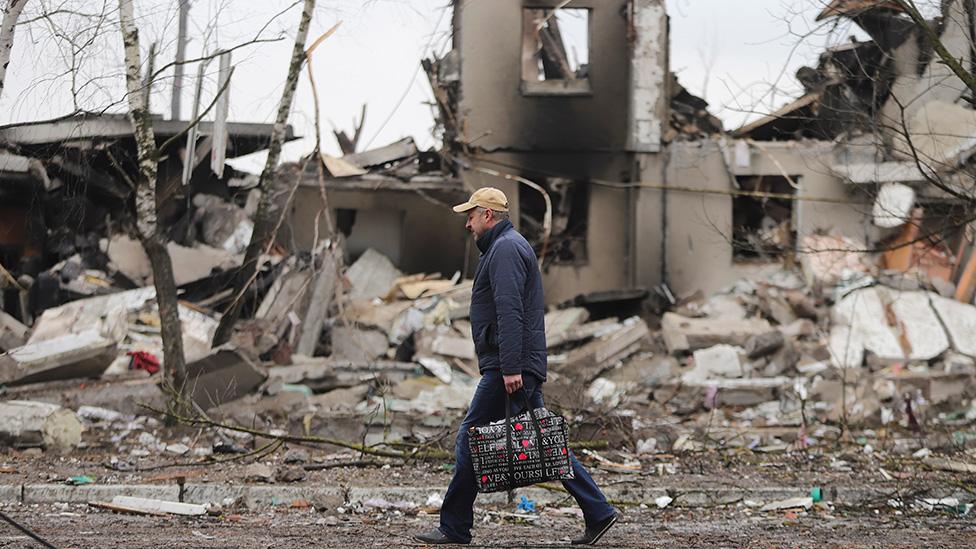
[
  {"x": 383, "y": 155},
  {"x": 123, "y": 509},
  {"x": 318, "y": 309},
  {"x": 25, "y": 424},
  {"x": 159, "y": 506},
  {"x": 966, "y": 287}
]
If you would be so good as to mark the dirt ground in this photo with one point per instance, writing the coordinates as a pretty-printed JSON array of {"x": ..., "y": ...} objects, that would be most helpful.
[
  {"x": 77, "y": 526},
  {"x": 741, "y": 524}
]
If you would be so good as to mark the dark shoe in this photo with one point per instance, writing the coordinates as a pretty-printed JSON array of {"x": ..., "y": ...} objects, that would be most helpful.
[
  {"x": 436, "y": 537},
  {"x": 595, "y": 532}
]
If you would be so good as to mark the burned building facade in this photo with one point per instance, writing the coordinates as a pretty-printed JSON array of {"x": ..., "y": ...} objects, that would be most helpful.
[
  {"x": 622, "y": 179},
  {"x": 558, "y": 106}
]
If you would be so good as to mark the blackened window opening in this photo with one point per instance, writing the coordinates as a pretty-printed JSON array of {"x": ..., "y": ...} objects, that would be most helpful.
[
  {"x": 570, "y": 219},
  {"x": 763, "y": 228}
]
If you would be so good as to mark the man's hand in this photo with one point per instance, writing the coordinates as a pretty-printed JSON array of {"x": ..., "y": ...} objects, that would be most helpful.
[{"x": 512, "y": 383}]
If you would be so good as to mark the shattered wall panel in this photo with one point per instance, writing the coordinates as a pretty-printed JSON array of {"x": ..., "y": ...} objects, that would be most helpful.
[{"x": 493, "y": 108}]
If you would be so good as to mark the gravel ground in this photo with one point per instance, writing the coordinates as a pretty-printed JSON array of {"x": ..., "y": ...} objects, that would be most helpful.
[{"x": 80, "y": 527}]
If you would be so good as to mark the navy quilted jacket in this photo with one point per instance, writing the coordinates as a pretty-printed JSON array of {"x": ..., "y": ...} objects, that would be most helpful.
[{"x": 507, "y": 310}]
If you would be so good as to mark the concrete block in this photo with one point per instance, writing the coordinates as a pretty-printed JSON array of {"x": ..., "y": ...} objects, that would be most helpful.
[
  {"x": 10, "y": 493},
  {"x": 60, "y": 493},
  {"x": 720, "y": 361},
  {"x": 358, "y": 345},
  {"x": 960, "y": 321},
  {"x": 212, "y": 493},
  {"x": 69, "y": 356},
  {"x": 688, "y": 334},
  {"x": 414, "y": 495},
  {"x": 330, "y": 497},
  {"x": 922, "y": 329}
]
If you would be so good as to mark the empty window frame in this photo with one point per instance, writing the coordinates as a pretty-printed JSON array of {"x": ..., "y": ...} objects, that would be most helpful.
[
  {"x": 555, "y": 51},
  {"x": 763, "y": 228}
]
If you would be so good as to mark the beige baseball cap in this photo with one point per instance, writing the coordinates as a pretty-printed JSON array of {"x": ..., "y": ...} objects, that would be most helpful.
[{"x": 488, "y": 198}]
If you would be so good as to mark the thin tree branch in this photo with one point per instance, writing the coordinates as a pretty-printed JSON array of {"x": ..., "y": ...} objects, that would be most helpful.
[{"x": 213, "y": 55}]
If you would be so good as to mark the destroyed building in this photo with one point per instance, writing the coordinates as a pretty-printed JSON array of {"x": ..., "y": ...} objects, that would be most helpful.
[
  {"x": 644, "y": 189},
  {"x": 813, "y": 281}
]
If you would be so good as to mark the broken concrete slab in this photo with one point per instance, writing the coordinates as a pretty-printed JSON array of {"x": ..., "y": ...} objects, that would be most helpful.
[
  {"x": 223, "y": 376},
  {"x": 367, "y": 314},
  {"x": 578, "y": 334},
  {"x": 159, "y": 506},
  {"x": 12, "y": 332},
  {"x": 439, "y": 367},
  {"x": 415, "y": 289},
  {"x": 893, "y": 206},
  {"x": 880, "y": 172},
  {"x": 435, "y": 341},
  {"x": 591, "y": 359},
  {"x": 324, "y": 374},
  {"x": 936, "y": 387},
  {"x": 940, "y": 133},
  {"x": 892, "y": 325},
  {"x": 371, "y": 275},
  {"x": 645, "y": 370},
  {"x": 846, "y": 347},
  {"x": 222, "y": 224},
  {"x": 357, "y": 345},
  {"x": 682, "y": 334},
  {"x": 922, "y": 331},
  {"x": 25, "y": 424},
  {"x": 719, "y": 361},
  {"x": 560, "y": 321},
  {"x": 829, "y": 259},
  {"x": 340, "y": 400},
  {"x": 383, "y": 155},
  {"x": 762, "y": 345},
  {"x": 959, "y": 320},
  {"x": 71, "y": 356},
  {"x": 804, "y": 503},
  {"x": 189, "y": 264},
  {"x": 106, "y": 314},
  {"x": 863, "y": 311}
]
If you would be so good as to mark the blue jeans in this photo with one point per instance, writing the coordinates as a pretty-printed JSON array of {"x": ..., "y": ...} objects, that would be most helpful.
[{"x": 488, "y": 404}]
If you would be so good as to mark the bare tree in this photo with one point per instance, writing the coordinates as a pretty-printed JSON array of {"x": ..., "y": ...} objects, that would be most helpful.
[
  {"x": 266, "y": 217},
  {"x": 11, "y": 13},
  {"x": 147, "y": 203}
]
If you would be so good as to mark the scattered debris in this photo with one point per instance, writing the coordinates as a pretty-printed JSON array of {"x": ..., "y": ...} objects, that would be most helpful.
[
  {"x": 146, "y": 505},
  {"x": 25, "y": 424}
]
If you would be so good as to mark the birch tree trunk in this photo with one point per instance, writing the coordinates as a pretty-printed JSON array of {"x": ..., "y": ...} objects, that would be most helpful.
[
  {"x": 11, "y": 12},
  {"x": 265, "y": 218},
  {"x": 147, "y": 202}
]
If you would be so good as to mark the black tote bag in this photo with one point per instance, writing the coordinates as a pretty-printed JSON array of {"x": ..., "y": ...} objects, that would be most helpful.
[{"x": 527, "y": 449}]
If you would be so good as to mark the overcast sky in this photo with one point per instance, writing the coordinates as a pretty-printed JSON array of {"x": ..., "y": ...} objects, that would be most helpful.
[{"x": 739, "y": 55}]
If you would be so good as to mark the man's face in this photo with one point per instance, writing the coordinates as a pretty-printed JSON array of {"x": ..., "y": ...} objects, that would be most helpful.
[{"x": 478, "y": 222}]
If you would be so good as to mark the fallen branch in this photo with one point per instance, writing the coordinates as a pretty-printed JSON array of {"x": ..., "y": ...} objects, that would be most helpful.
[
  {"x": 371, "y": 450},
  {"x": 338, "y": 464}
]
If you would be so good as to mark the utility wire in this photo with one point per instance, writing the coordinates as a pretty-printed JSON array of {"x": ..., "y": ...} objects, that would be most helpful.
[{"x": 24, "y": 529}]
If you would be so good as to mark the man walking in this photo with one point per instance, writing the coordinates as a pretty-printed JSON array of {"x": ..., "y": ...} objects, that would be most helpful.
[{"x": 508, "y": 327}]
